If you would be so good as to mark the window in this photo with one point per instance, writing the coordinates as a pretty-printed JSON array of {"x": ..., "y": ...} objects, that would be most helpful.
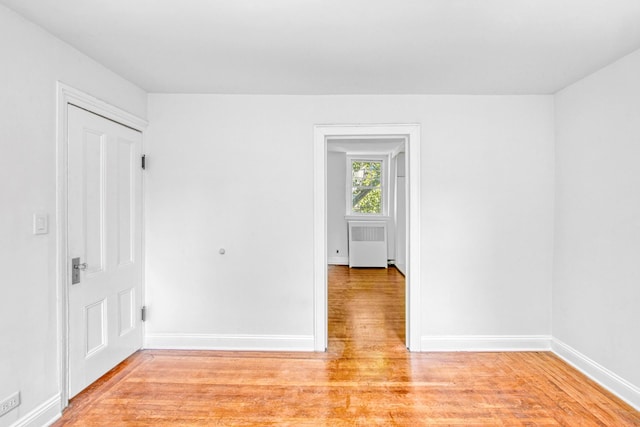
[{"x": 366, "y": 186}]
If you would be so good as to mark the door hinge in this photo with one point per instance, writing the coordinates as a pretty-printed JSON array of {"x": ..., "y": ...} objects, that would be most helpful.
[
  {"x": 144, "y": 313},
  {"x": 144, "y": 161}
]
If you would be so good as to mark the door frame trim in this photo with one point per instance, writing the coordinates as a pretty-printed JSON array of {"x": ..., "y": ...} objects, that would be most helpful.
[
  {"x": 68, "y": 95},
  {"x": 411, "y": 134}
]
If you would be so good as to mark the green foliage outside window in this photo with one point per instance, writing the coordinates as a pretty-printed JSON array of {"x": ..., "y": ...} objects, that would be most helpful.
[{"x": 366, "y": 188}]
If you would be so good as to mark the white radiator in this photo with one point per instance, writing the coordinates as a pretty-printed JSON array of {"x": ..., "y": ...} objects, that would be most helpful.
[{"x": 367, "y": 244}]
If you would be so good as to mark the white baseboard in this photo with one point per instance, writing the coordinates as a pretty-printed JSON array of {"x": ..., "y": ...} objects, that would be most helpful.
[
  {"x": 338, "y": 260},
  {"x": 230, "y": 342},
  {"x": 485, "y": 343},
  {"x": 44, "y": 415},
  {"x": 607, "y": 379}
]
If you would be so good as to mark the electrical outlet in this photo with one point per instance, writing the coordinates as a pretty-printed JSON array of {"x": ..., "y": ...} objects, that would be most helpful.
[{"x": 10, "y": 403}]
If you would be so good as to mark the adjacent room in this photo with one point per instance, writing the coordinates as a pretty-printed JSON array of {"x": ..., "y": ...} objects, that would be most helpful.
[{"x": 284, "y": 212}]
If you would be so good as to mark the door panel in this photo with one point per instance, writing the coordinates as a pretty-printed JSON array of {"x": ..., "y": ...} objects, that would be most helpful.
[
  {"x": 105, "y": 232},
  {"x": 93, "y": 200},
  {"x": 96, "y": 327},
  {"x": 125, "y": 151},
  {"x": 126, "y": 309}
]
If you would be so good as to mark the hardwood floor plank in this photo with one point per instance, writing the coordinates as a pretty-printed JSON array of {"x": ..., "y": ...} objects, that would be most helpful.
[{"x": 366, "y": 378}]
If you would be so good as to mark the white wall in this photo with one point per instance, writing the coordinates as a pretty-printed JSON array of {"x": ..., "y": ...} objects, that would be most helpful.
[
  {"x": 487, "y": 216},
  {"x": 337, "y": 224},
  {"x": 237, "y": 172},
  {"x": 32, "y": 62},
  {"x": 401, "y": 214},
  {"x": 596, "y": 293},
  {"x": 391, "y": 223},
  {"x": 337, "y": 232}
]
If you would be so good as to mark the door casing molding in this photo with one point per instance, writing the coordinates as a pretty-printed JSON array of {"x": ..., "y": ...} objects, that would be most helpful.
[
  {"x": 411, "y": 134},
  {"x": 69, "y": 95}
]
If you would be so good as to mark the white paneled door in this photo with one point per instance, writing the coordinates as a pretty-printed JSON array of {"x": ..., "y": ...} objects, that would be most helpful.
[{"x": 104, "y": 238}]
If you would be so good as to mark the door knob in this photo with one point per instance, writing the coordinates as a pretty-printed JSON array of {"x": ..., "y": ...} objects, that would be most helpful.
[{"x": 76, "y": 268}]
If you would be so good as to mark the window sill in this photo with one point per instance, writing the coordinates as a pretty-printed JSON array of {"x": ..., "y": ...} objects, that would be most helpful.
[{"x": 367, "y": 217}]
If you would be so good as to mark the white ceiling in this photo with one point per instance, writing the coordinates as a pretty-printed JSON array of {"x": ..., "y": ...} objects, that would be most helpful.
[
  {"x": 345, "y": 46},
  {"x": 366, "y": 145}
]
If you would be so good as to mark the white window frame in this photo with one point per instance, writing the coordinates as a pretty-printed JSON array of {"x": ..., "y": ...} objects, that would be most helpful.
[{"x": 384, "y": 183}]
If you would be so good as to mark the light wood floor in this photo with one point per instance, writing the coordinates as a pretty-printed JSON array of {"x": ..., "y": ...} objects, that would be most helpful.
[{"x": 366, "y": 378}]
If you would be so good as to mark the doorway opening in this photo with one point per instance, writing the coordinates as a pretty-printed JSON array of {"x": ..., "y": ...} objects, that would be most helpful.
[{"x": 376, "y": 140}]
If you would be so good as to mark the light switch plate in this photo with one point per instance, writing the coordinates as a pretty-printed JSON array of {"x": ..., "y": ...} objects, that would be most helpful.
[{"x": 40, "y": 223}]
